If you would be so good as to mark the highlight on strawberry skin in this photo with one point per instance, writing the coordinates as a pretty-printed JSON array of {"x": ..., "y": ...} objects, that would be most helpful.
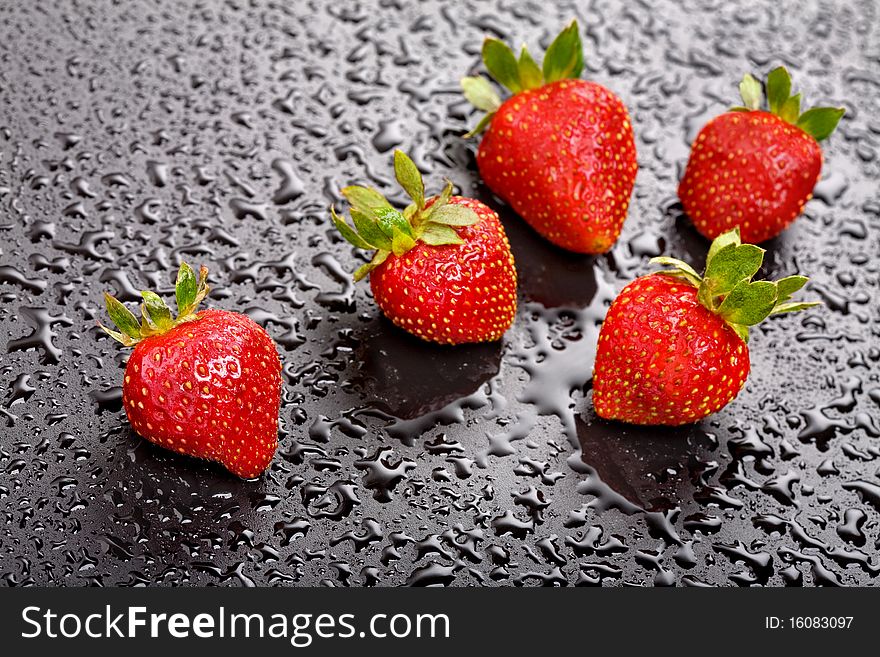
[
  {"x": 755, "y": 167},
  {"x": 205, "y": 383},
  {"x": 560, "y": 150},
  {"x": 674, "y": 345},
  {"x": 441, "y": 268}
]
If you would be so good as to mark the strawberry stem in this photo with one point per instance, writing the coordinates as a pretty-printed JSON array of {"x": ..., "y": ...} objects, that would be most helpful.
[
  {"x": 380, "y": 227},
  {"x": 819, "y": 122},
  {"x": 726, "y": 287},
  {"x": 157, "y": 319},
  {"x": 564, "y": 59}
]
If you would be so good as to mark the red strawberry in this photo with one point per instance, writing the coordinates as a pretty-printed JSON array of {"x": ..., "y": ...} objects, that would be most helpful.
[
  {"x": 672, "y": 349},
  {"x": 755, "y": 170},
  {"x": 560, "y": 151},
  {"x": 443, "y": 269},
  {"x": 206, "y": 384}
]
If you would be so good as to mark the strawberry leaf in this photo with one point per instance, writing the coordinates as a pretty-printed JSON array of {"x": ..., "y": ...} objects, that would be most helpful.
[
  {"x": 794, "y": 306},
  {"x": 185, "y": 289},
  {"x": 345, "y": 230},
  {"x": 409, "y": 177},
  {"x": 443, "y": 197},
  {"x": 788, "y": 286},
  {"x": 401, "y": 242},
  {"x": 565, "y": 56},
  {"x": 364, "y": 198},
  {"x": 122, "y": 317},
  {"x": 391, "y": 221},
  {"x": 378, "y": 258},
  {"x": 530, "y": 74},
  {"x": 484, "y": 122},
  {"x": 119, "y": 337},
  {"x": 748, "y": 303},
  {"x": 369, "y": 230},
  {"x": 362, "y": 271},
  {"x": 410, "y": 211},
  {"x": 203, "y": 286},
  {"x": 791, "y": 109},
  {"x": 148, "y": 328},
  {"x": 437, "y": 235},
  {"x": 820, "y": 122},
  {"x": 454, "y": 215},
  {"x": 480, "y": 93},
  {"x": 723, "y": 240},
  {"x": 157, "y": 311},
  {"x": 189, "y": 292},
  {"x": 778, "y": 89},
  {"x": 733, "y": 264},
  {"x": 379, "y": 226},
  {"x": 501, "y": 64},
  {"x": 727, "y": 289},
  {"x": 679, "y": 269},
  {"x": 730, "y": 266},
  {"x": 750, "y": 90}
]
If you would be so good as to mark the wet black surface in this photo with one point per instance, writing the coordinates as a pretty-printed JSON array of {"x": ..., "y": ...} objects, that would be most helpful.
[{"x": 134, "y": 135}]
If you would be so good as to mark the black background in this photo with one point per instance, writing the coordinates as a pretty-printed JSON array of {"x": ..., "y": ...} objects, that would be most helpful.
[{"x": 136, "y": 134}]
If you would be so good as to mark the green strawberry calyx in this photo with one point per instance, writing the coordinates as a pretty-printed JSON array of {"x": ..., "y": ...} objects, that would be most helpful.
[
  {"x": 726, "y": 287},
  {"x": 380, "y": 227},
  {"x": 819, "y": 122},
  {"x": 189, "y": 291},
  {"x": 563, "y": 59}
]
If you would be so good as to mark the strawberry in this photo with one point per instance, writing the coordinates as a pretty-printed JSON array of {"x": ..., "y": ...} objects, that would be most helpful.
[
  {"x": 673, "y": 348},
  {"x": 206, "y": 384},
  {"x": 755, "y": 169},
  {"x": 442, "y": 268},
  {"x": 560, "y": 151}
]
